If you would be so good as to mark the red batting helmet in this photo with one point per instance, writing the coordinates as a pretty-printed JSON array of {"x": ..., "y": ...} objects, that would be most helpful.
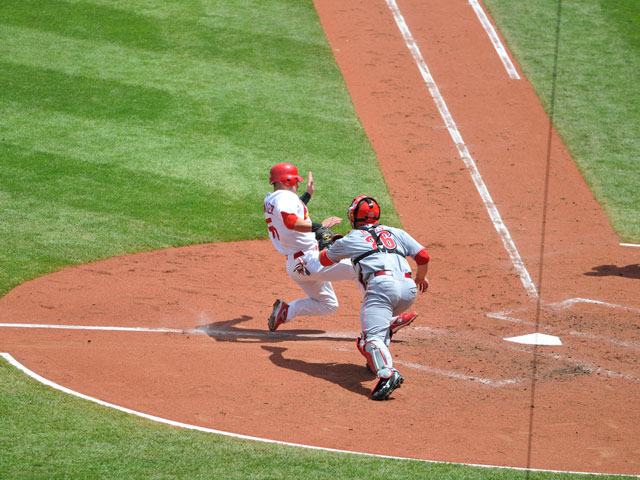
[
  {"x": 364, "y": 210},
  {"x": 285, "y": 173}
]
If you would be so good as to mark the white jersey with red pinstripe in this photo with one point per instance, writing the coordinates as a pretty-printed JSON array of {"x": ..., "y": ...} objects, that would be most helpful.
[
  {"x": 277, "y": 206},
  {"x": 301, "y": 250}
]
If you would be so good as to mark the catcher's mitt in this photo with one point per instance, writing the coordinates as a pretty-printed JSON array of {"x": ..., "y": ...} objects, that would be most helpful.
[{"x": 324, "y": 237}]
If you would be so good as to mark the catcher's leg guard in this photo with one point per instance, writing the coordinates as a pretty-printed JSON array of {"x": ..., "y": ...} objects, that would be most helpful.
[
  {"x": 360, "y": 343},
  {"x": 379, "y": 361},
  {"x": 378, "y": 357}
]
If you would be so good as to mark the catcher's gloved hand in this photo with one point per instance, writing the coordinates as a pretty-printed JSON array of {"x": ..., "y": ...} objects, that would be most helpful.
[
  {"x": 301, "y": 267},
  {"x": 324, "y": 237}
]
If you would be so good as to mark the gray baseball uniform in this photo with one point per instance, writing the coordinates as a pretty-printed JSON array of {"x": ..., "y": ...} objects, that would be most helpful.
[{"x": 378, "y": 253}]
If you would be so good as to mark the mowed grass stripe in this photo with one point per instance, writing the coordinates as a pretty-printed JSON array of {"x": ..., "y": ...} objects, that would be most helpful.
[
  {"x": 174, "y": 123},
  {"x": 128, "y": 126}
]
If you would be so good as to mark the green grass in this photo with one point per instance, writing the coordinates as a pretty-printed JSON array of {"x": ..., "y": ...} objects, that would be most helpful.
[
  {"x": 597, "y": 107},
  {"x": 131, "y": 126},
  {"x": 78, "y": 439}
]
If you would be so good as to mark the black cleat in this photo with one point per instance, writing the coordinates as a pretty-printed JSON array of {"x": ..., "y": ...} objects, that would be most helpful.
[{"x": 386, "y": 385}]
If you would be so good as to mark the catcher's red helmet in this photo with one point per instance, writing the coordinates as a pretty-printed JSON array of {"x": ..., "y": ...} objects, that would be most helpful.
[
  {"x": 364, "y": 210},
  {"x": 285, "y": 173}
]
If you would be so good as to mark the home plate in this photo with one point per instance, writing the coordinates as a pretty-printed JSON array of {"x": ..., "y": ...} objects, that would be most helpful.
[{"x": 536, "y": 339}]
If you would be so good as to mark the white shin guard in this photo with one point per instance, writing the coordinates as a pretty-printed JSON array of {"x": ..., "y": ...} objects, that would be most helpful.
[{"x": 379, "y": 357}]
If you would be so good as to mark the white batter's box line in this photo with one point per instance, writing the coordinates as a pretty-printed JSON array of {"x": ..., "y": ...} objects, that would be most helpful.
[
  {"x": 476, "y": 339},
  {"x": 504, "y": 316},
  {"x": 12, "y": 361},
  {"x": 583, "y": 364},
  {"x": 564, "y": 305},
  {"x": 587, "y": 366},
  {"x": 447, "y": 373},
  {"x": 632, "y": 345},
  {"x": 433, "y": 331}
]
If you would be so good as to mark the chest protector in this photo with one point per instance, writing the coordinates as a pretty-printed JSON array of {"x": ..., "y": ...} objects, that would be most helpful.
[{"x": 380, "y": 245}]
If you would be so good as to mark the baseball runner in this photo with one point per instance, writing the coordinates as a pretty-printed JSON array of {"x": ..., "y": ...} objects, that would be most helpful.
[
  {"x": 290, "y": 229},
  {"x": 378, "y": 253}
]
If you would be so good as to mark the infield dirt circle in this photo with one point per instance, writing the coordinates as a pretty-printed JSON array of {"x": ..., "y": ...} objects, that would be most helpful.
[{"x": 467, "y": 392}]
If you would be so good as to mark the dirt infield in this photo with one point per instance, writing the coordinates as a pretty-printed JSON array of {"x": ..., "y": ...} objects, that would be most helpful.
[{"x": 467, "y": 392}]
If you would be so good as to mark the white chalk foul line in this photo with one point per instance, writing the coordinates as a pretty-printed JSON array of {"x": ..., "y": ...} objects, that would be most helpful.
[
  {"x": 254, "y": 334},
  {"x": 94, "y": 327},
  {"x": 12, "y": 361},
  {"x": 9, "y": 358},
  {"x": 495, "y": 40},
  {"x": 251, "y": 334},
  {"x": 469, "y": 163},
  {"x": 205, "y": 329},
  {"x": 629, "y": 245}
]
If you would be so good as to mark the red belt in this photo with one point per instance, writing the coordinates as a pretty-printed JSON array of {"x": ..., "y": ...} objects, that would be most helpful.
[
  {"x": 300, "y": 253},
  {"x": 388, "y": 272}
]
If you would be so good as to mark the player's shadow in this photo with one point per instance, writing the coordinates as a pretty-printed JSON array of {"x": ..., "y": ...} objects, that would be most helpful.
[
  {"x": 228, "y": 331},
  {"x": 346, "y": 375},
  {"x": 630, "y": 271}
]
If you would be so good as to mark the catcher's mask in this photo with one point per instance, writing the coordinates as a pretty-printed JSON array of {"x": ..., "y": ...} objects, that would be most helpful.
[
  {"x": 364, "y": 210},
  {"x": 285, "y": 173}
]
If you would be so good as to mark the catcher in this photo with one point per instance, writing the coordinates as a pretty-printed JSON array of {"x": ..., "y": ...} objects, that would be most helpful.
[
  {"x": 378, "y": 253},
  {"x": 292, "y": 234}
]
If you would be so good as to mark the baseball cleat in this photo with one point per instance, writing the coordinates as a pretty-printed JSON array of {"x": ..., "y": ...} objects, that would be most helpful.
[
  {"x": 386, "y": 385},
  {"x": 278, "y": 315},
  {"x": 402, "y": 320}
]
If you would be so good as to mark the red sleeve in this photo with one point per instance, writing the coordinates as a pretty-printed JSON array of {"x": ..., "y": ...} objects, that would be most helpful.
[
  {"x": 325, "y": 260},
  {"x": 422, "y": 257},
  {"x": 289, "y": 219}
]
